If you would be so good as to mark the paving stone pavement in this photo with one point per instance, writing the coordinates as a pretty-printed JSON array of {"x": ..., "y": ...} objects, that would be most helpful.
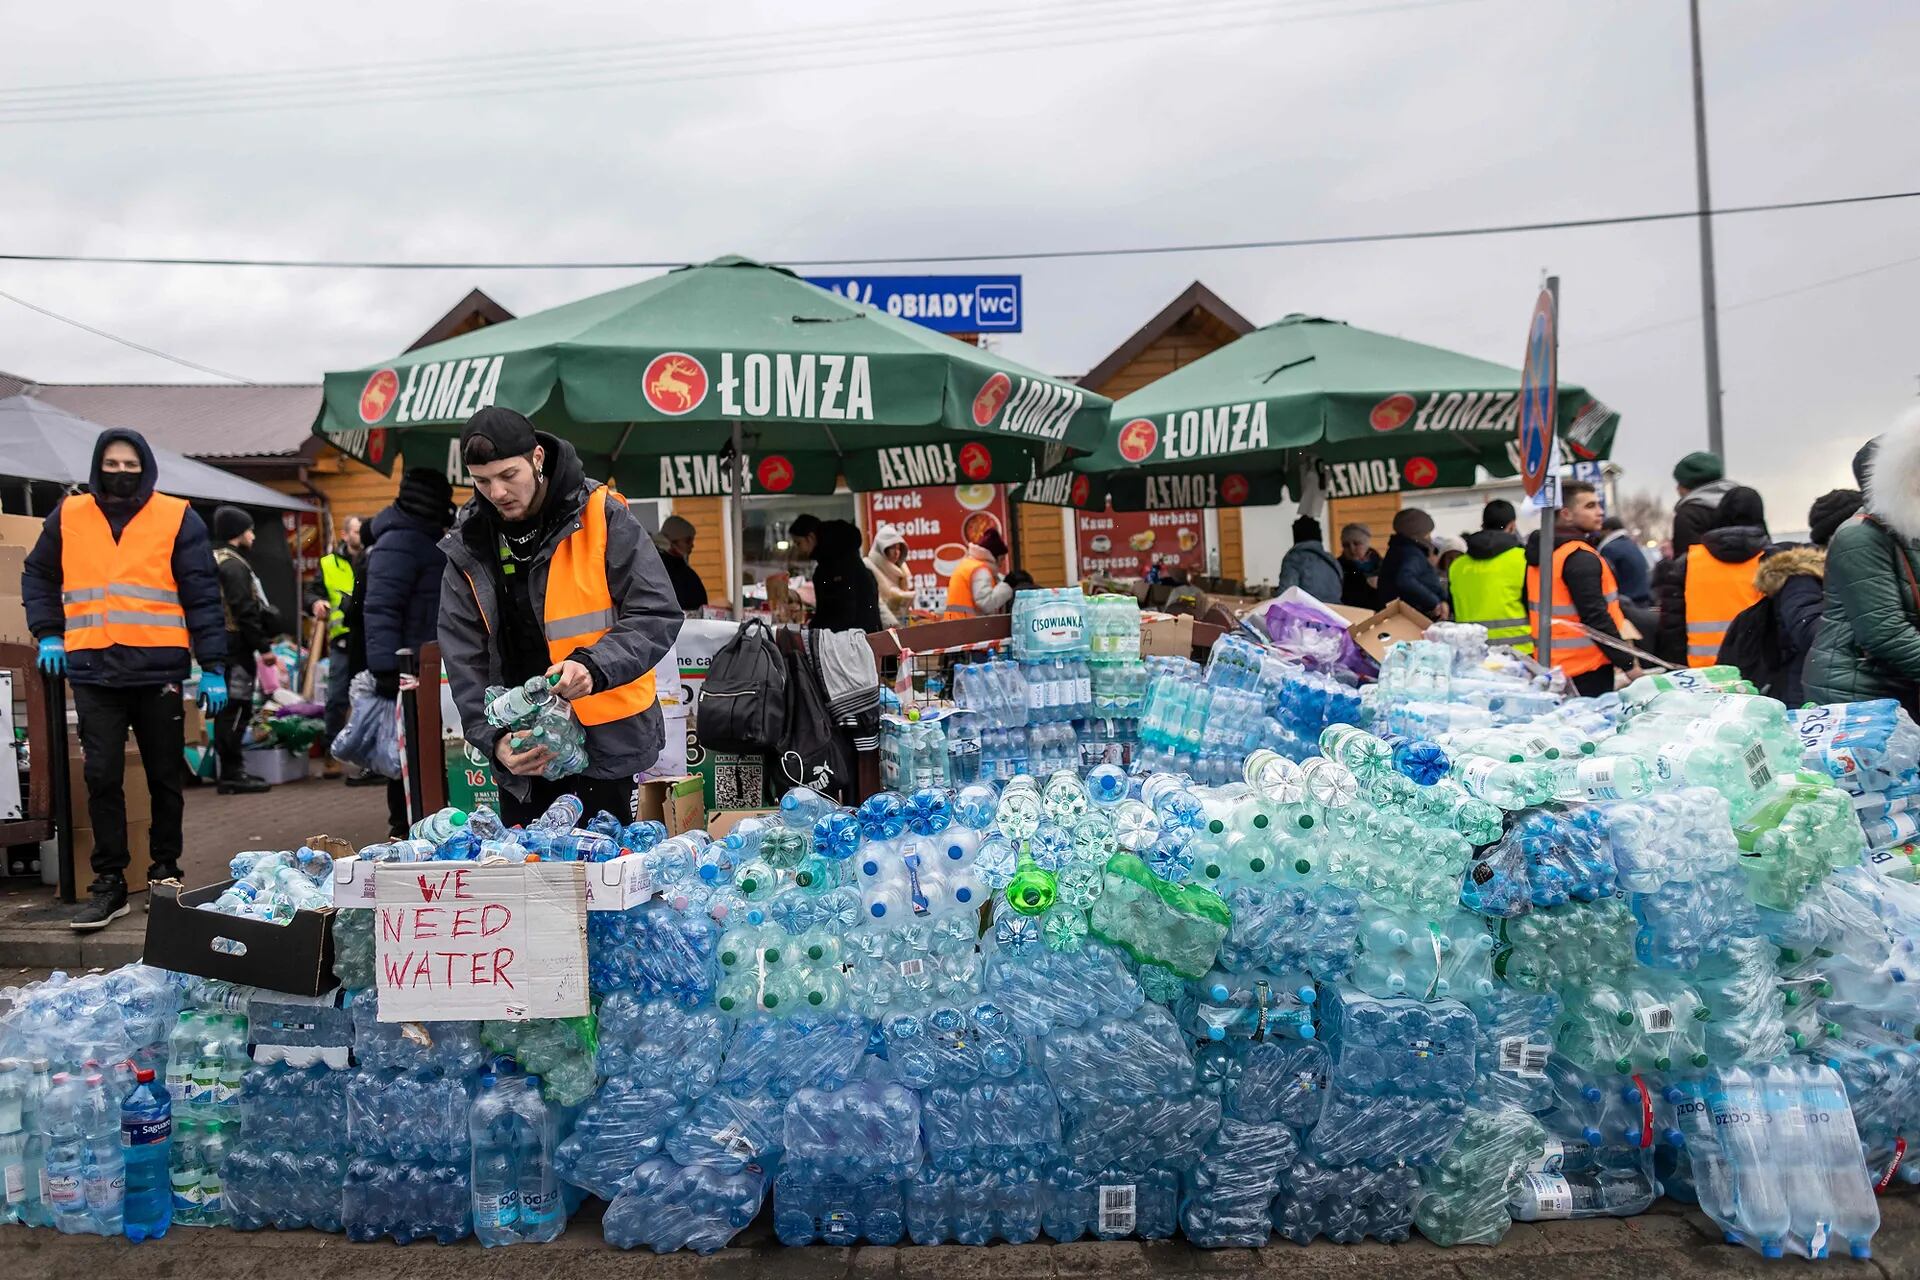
[
  {"x": 33, "y": 924},
  {"x": 1671, "y": 1243}
]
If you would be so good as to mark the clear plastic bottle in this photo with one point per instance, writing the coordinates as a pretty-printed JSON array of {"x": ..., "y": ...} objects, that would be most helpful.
[{"x": 105, "y": 1175}]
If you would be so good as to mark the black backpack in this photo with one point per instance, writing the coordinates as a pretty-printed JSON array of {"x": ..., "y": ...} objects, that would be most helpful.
[
  {"x": 814, "y": 753},
  {"x": 1752, "y": 643},
  {"x": 743, "y": 703}
]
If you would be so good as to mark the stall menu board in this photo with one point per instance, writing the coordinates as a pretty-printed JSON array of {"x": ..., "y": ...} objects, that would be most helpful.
[
  {"x": 1122, "y": 544},
  {"x": 938, "y": 523}
]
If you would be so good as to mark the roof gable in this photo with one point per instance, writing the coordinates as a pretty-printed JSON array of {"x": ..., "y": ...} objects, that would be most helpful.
[{"x": 1197, "y": 309}]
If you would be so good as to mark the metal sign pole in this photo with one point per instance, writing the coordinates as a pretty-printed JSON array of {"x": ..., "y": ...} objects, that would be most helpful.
[{"x": 1539, "y": 415}]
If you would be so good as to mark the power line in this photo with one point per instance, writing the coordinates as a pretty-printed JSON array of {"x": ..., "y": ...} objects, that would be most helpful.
[
  {"x": 1797, "y": 290},
  {"x": 1032, "y": 255},
  {"x": 127, "y": 342},
  {"x": 921, "y": 38}
]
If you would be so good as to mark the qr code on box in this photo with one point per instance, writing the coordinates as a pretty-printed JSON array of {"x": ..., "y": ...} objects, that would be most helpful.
[{"x": 739, "y": 783}]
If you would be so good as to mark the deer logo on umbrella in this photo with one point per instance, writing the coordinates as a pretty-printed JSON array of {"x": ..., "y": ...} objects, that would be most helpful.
[{"x": 674, "y": 383}]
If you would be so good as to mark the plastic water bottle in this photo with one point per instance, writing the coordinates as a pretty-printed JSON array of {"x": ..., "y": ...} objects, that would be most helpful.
[
  {"x": 105, "y": 1175},
  {"x": 146, "y": 1140},
  {"x": 562, "y": 815},
  {"x": 66, "y": 1155}
]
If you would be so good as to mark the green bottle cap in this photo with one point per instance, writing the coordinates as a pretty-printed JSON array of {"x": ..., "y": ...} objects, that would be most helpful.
[
  {"x": 729, "y": 959},
  {"x": 1301, "y": 866},
  {"x": 1256, "y": 865},
  {"x": 815, "y": 998},
  {"x": 770, "y": 999},
  {"x": 773, "y": 955},
  {"x": 749, "y": 885},
  {"x": 1259, "y": 822},
  {"x": 1624, "y": 1017},
  {"x": 725, "y": 1003}
]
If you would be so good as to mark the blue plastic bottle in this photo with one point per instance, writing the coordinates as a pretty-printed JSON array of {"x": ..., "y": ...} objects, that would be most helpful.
[{"x": 146, "y": 1141}]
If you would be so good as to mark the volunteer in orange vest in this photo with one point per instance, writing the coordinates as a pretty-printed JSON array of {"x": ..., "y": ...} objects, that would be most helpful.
[
  {"x": 975, "y": 587},
  {"x": 548, "y": 574},
  {"x": 1701, "y": 591},
  {"x": 1584, "y": 594},
  {"x": 119, "y": 587}
]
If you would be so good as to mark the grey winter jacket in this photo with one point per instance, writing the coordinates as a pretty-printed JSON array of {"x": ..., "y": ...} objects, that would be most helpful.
[
  {"x": 1312, "y": 568},
  {"x": 647, "y": 618}
]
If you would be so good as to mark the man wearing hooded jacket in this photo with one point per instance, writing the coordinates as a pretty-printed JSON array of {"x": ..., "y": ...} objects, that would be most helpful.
[
  {"x": 548, "y": 574},
  {"x": 118, "y": 588}
]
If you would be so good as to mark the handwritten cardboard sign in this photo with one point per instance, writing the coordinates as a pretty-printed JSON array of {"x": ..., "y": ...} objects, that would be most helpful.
[{"x": 456, "y": 941}]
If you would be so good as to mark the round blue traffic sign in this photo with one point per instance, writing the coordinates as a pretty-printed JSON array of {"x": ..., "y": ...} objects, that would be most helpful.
[{"x": 1539, "y": 390}]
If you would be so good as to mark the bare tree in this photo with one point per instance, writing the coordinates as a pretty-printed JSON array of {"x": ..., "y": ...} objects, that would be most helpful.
[{"x": 1646, "y": 515}]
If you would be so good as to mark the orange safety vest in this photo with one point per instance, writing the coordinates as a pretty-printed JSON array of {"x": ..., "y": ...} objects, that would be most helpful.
[
  {"x": 579, "y": 610},
  {"x": 960, "y": 589},
  {"x": 1716, "y": 591},
  {"x": 1573, "y": 652},
  {"x": 121, "y": 590}
]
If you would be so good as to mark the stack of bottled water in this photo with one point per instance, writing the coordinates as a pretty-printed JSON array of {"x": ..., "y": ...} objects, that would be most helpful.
[
  {"x": 539, "y": 717},
  {"x": 408, "y": 1175},
  {"x": 993, "y": 696},
  {"x": 930, "y": 747},
  {"x": 1050, "y": 643},
  {"x": 272, "y": 886}
]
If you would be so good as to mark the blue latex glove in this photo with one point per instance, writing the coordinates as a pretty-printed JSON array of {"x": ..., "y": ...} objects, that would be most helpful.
[
  {"x": 53, "y": 655},
  {"x": 213, "y": 691}
]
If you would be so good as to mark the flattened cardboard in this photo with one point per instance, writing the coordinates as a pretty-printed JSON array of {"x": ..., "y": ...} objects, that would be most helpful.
[
  {"x": 455, "y": 941},
  {"x": 721, "y": 821},
  {"x": 1166, "y": 637}
]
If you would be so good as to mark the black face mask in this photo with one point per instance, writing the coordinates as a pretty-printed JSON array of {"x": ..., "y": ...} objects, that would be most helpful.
[{"x": 120, "y": 484}]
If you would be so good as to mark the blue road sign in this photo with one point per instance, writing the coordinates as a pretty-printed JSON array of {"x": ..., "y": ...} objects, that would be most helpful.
[
  {"x": 1539, "y": 393},
  {"x": 949, "y": 304}
]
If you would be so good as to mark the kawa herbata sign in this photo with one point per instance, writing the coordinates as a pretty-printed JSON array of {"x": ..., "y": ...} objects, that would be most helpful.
[{"x": 648, "y": 379}]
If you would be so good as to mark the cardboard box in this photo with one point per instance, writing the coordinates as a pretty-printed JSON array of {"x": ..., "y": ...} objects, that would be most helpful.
[
  {"x": 677, "y": 802},
  {"x": 721, "y": 822},
  {"x": 1166, "y": 637},
  {"x": 22, "y": 532},
  {"x": 618, "y": 883},
  {"x": 296, "y": 957},
  {"x": 139, "y": 853},
  {"x": 456, "y": 941},
  {"x": 1398, "y": 621}
]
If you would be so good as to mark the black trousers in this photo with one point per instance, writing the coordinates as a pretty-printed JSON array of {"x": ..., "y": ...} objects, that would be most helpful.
[
  {"x": 230, "y": 726},
  {"x": 1594, "y": 683},
  {"x": 155, "y": 714},
  {"x": 615, "y": 795},
  {"x": 396, "y": 809}
]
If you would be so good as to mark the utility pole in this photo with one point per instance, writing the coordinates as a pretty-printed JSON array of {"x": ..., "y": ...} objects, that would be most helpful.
[{"x": 1709, "y": 307}]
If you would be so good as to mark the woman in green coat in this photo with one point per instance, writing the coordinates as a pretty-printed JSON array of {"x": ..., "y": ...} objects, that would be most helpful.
[{"x": 1869, "y": 644}]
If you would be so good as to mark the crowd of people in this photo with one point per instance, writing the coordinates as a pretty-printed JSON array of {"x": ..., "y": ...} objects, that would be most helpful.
[
  {"x": 1833, "y": 618},
  {"x": 545, "y": 572}
]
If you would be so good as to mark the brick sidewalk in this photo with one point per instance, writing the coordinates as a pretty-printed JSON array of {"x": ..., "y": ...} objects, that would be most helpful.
[
  {"x": 33, "y": 929},
  {"x": 1667, "y": 1244}
]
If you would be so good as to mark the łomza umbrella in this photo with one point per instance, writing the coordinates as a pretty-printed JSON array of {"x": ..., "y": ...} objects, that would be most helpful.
[
  {"x": 1371, "y": 413},
  {"x": 731, "y": 376}
]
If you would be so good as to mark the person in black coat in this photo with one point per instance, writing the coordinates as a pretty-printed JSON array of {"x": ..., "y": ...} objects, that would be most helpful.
[
  {"x": 1740, "y": 536},
  {"x": 128, "y": 686},
  {"x": 251, "y": 628},
  {"x": 1407, "y": 572},
  {"x": 844, "y": 595},
  {"x": 400, "y": 608}
]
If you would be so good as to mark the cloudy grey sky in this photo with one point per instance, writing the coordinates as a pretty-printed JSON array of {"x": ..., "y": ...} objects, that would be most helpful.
[{"x": 1067, "y": 123}]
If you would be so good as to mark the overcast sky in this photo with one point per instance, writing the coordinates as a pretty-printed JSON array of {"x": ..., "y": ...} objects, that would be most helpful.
[{"x": 1036, "y": 126}]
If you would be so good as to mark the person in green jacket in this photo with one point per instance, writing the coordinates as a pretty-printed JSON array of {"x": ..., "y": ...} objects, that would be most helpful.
[{"x": 1869, "y": 643}]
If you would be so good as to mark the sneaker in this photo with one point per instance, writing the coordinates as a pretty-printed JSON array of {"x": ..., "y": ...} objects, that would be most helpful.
[
  {"x": 106, "y": 902},
  {"x": 365, "y": 780},
  {"x": 242, "y": 784},
  {"x": 158, "y": 872}
]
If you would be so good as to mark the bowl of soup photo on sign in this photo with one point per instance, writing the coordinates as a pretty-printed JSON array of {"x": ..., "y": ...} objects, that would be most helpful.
[
  {"x": 947, "y": 557},
  {"x": 977, "y": 525}
]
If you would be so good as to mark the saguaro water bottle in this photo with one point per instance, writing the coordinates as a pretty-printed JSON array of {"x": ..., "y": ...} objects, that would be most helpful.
[{"x": 146, "y": 1145}]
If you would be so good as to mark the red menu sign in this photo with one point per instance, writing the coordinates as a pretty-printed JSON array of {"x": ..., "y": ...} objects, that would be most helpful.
[
  {"x": 938, "y": 523},
  {"x": 1121, "y": 544}
]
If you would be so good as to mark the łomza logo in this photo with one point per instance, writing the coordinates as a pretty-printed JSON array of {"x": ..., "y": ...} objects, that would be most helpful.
[{"x": 674, "y": 383}]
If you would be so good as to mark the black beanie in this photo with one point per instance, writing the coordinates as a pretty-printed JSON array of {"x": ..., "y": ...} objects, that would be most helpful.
[
  {"x": 508, "y": 435},
  {"x": 229, "y": 523},
  {"x": 427, "y": 493},
  {"x": 1306, "y": 529},
  {"x": 1829, "y": 511}
]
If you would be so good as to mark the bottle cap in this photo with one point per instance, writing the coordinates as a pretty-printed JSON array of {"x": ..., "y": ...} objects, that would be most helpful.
[{"x": 144, "y": 1075}]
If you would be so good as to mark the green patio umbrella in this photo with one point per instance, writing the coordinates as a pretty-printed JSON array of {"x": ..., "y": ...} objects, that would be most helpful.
[
  {"x": 1370, "y": 412},
  {"x": 731, "y": 376}
]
